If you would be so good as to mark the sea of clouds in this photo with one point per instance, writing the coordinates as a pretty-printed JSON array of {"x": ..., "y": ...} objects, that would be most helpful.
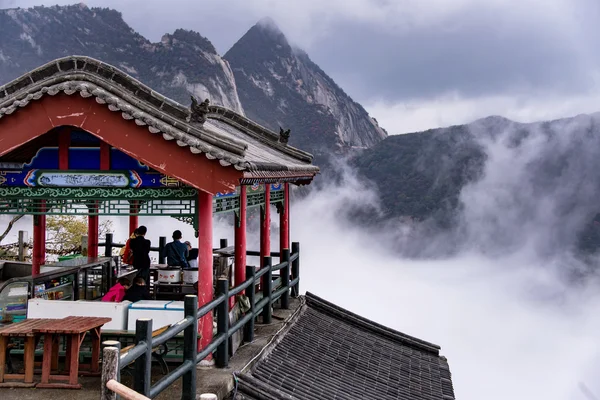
[{"x": 511, "y": 322}]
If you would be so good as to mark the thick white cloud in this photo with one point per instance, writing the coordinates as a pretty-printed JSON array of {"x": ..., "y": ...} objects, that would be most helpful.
[{"x": 453, "y": 109}]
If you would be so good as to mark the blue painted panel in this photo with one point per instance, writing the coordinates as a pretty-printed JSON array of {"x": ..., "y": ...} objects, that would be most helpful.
[
  {"x": 84, "y": 158},
  {"x": 46, "y": 158}
]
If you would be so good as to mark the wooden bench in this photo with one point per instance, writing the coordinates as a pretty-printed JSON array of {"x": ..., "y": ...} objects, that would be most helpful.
[{"x": 157, "y": 354}]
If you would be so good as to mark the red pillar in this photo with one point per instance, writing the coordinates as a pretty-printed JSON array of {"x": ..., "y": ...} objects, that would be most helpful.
[
  {"x": 93, "y": 225},
  {"x": 133, "y": 219},
  {"x": 284, "y": 219},
  {"x": 38, "y": 257},
  {"x": 93, "y": 220},
  {"x": 205, "y": 266},
  {"x": 240, "y": 240},
  {"x": 265, "y": 226},
  {"x": 39, "y": 231}
]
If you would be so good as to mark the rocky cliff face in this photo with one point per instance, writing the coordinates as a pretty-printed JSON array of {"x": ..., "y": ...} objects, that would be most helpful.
[
  {"x": 183, "y": 63},
  {"x": 281, "y": 87}
]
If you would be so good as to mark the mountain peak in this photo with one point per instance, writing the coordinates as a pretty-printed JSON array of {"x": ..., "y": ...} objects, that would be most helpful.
[
  {"x": 267, "y": 33},
  {"x": 268, "y": 23}
]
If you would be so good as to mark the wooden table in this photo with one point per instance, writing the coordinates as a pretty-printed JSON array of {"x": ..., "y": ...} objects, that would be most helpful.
[
  {"x": 74, "y": 329},
  {"x": 24, "y": 329}
]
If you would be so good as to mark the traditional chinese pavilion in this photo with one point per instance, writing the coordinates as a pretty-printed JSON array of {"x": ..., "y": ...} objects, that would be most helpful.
[{"x": 78, "y": 136}]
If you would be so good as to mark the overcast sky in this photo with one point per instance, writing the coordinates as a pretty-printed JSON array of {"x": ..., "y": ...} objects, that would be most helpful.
[{"x": 415, "y": 64}]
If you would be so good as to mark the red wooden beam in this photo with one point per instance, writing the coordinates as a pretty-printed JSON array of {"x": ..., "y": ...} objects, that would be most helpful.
[{"x": 167, "y": 157}]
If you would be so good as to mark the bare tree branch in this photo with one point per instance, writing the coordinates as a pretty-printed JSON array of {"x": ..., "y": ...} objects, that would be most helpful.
[{"x": 10, "y": 226}]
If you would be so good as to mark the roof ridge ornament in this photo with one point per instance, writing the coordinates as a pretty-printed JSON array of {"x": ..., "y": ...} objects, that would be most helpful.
[
  {"x": 284, "y": 136},
  {"x": 198, "y": 111}
]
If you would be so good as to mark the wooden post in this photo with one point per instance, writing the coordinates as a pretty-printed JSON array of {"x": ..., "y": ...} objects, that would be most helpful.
[
  {"x": 124, "y": 391},
  {"x": 110, "y": 370},
  {"x": 267, "y": 290},
  {"x": 249, "y": 327},
  {"x": 22, "y": 240}
]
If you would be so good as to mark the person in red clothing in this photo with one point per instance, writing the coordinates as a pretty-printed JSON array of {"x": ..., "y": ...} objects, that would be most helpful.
[
  {"x": 117, "y": 292},
  {"x": 126, "y": 253}
]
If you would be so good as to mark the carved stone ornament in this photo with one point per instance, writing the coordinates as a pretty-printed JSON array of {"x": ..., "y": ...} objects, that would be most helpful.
[
  {"x": 198, "y": 111},
  {"x": 284, "y": 136}
]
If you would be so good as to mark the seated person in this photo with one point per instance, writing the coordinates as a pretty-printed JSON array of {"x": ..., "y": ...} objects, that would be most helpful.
[
  {"x": 116, "y": 293},
  {"x": 176, "y": 252},
  {"x": 137, "y": 291},
  {"x": 192, "y": 256}
]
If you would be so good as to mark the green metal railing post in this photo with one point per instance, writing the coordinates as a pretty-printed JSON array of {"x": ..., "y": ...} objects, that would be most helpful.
[
  {"x": 249, "y": 327},
  {"x": 190, "y": 348},
  {"x": 143, "y": 374},
  {"x": 222, "y": 358},
  {"x": 108, "y": 245},
  {"x": 285, "y": 279},
  {"x": 296, "y": 268},
  {"x": 267, "y": 289},
  {"x": 162, "y": 243}
]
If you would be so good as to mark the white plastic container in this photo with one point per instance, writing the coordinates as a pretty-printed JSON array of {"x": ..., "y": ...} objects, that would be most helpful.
[
  {"x": 169, "y": 275},
  {"x": 161, "y": 312},
  {"x": 190, "y": 276}
]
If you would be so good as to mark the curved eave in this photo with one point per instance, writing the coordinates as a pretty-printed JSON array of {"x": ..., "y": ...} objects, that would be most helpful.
[
  {"x": 136, "y": 101},
  {"x": 252, "y": 177}
]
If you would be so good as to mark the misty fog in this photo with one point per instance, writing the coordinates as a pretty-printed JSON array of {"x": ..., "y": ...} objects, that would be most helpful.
[{"x": 511, "y": 322}]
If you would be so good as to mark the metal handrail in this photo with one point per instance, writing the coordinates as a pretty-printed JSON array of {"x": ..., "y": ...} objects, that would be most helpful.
[{"x": 144, "y": 342}]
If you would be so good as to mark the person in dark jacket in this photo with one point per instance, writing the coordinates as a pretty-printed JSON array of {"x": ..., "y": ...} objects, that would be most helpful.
[
  {"x": 137, "y": 291},
  {"x": 140, "y": 247},
  {"x": 177, "y": 252}
]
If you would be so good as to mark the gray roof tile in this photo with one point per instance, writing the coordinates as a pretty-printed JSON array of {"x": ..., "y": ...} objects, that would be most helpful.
[
  {"x": 331, "y": 353},
  {"x": 226, "y": 136}
]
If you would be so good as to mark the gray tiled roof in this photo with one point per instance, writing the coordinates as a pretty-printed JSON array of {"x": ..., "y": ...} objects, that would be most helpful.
[
  {"x": 226, "y": 136},
  {"x": 331, "y": 353}
]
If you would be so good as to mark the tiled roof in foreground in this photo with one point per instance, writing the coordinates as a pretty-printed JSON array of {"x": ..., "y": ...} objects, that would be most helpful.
[
  {"x": 330, "y": 353},
  {"x": 226, "y": 136}
]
